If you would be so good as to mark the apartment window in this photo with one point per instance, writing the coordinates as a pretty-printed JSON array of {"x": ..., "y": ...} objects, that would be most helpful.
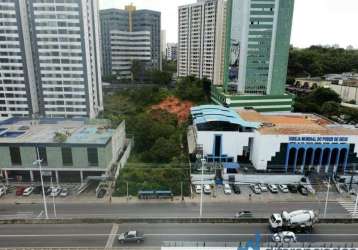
[
  {"x": 43, "y": 155},
  {"x": 67, "y": 156},
  {"x": 15, "y": 156},
  {"x": 92, "y": 154}
]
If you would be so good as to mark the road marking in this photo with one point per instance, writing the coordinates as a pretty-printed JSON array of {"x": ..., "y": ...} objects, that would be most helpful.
[
  {"x": 112, "y": 236},
  {"x": 40, "y": 214},
  {"x": 349, "y": 207}
]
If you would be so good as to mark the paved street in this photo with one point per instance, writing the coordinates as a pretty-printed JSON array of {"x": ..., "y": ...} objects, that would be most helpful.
[
  {"x": 105, "y": 235},
  {"x": 163, "y": 209}
]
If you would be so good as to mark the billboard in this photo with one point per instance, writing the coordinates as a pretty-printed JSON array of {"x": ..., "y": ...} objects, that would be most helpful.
[{"x": 233, "y": 43}]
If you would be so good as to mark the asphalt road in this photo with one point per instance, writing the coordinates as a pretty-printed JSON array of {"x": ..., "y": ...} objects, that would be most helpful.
[
  {"x": 162, "y": 210},
  {"x": 156, "y": 235}
]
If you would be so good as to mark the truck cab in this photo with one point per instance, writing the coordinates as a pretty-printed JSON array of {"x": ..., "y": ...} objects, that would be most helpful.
[{"x": 275, "y": 222}]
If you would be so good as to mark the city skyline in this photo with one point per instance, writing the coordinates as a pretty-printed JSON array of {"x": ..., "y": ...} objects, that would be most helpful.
[{"x": 307, "y": 29}]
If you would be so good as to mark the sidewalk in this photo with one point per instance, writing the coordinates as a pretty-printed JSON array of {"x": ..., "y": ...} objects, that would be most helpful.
[{"x": 263, "y": 198}]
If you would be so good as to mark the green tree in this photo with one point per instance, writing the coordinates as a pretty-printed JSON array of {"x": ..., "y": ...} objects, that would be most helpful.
[
  {"x": 330, "y": 108},
  {"x": 137, "y": 70}
]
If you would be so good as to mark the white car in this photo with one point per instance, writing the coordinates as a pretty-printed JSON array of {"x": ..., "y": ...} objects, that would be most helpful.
[
  {"x": 28, "y": 191},
  {"x": 207, "y": 189},
  {"x": 273, "y": 188},
  {"x": 284, "y": 236},
  {"x": 227, "y": 189},
  {"x": 2, "y": 191},
  {"x": 283, "y": 188},
  {"x": 55, "y": 192},
  {"x": 64, "y": 192},
  {"x": 262, "y": 187},
  {"x": 198, "y": 189}
]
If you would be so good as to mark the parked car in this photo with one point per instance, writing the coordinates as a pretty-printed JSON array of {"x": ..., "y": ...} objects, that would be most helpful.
[
  {"x": 255, "y": 188},
  {"x": 2, "y": 191},
  {"x": 48, "y": 190},
  {"x": 207, "y": 189},
  {"x": 130, "y": 237},
  {"x": 284, "y": 236},
  {"x": 273, "y": 188},
  {"x": 283, "y": 188},
  {"x": 227, "y": 189},
  {"x": 302, "y": 189},
  {"x": 64, "y": 192},
  {"x": 292, "y": 188},
  {"x": 243, "y": 214},
  {"x": 262, "y": 187},
  {"x": 28, "y": 191},
  {"x": 345, "y": 187},
  {"x": 20, "y": 190},
  {"x": 236, "y": 188},
  {"x": 55, "y": 191},
  {"x": 198, "y": 189}
]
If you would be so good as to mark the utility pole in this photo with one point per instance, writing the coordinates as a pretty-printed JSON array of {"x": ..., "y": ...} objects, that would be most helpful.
[
  {"x": 355, "y": 207},
  {"x": 38, "y": 162},
  {"x": 181, "y": 191},
  {"x": 202, "y": 186},
  {"x": 325, "y": 206},
  {"x": 127, "y": 192},
  {"x": 352, "y": 176},
  {"x": 53, "y": 199}
]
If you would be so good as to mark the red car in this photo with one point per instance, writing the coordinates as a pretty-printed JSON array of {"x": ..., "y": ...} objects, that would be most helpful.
[{"x": 20, "y": 190}]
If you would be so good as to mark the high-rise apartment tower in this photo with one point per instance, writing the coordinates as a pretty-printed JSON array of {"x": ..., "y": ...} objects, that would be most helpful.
[{"x": 50, "y": 61}]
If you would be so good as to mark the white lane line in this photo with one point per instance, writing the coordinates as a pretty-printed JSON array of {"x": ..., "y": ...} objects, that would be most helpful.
[
  {"x": 112, "y": 236},
  {"x": 40, "y": 214}
]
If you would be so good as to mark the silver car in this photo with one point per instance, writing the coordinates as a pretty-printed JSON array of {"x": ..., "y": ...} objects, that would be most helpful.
[{"x": 284, "y": 236}]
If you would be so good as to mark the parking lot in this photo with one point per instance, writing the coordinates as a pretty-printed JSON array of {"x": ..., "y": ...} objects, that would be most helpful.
[
  {"x": 33, "y": 192},
  {"x": 217, "y": 192}
]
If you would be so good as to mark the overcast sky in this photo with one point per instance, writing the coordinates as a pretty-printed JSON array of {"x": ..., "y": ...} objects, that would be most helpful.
[{"x": 315, "y": 21}]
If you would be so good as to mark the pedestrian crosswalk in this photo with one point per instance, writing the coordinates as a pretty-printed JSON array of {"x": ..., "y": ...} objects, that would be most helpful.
[{"x": 350, "y": 206}]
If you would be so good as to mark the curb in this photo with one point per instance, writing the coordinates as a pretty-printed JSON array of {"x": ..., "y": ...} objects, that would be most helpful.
[{"x": 162, "y": 220}]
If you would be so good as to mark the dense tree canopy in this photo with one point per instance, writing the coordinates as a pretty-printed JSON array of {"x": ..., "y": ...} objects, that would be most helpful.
[
  {"x": 193, "y": 89},
  {"x": 318, "y": 61}
]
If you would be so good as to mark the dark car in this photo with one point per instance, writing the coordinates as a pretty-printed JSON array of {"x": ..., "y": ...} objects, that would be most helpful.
[
  {"x": 38, "y": 190},
  {"x": 20, "y": 191},
  {"x": 292, "y": 188},
  {"x": 302, "y": 189},
  {"x": 129, "y": 237},
  {"x": 236, "y": 188}
]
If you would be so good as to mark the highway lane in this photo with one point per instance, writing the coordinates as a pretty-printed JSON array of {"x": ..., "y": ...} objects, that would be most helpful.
[
  {"x": 101, "y": 235},
  {"x": 163, "y": 209}
]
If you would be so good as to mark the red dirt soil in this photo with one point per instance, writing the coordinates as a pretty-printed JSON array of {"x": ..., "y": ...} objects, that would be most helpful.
[{"x": 175, "y": 106}]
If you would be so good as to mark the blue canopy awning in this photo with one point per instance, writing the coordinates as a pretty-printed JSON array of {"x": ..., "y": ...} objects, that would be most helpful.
[{"x": 231, "y": 165}]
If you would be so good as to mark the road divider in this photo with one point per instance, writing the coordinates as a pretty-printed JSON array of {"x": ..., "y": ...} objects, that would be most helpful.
[{"x": 159, "y": 220}]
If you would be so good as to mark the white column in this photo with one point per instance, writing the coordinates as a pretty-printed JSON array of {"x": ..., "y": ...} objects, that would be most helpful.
[
  {"x": 57, "y": 178},
  {"x": 81, "y": 174},
  {"x": 6, "y": 177},
  {"x": 32, "y": 176}
]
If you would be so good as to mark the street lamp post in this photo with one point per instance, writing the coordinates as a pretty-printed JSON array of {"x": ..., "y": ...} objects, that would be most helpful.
[
  {"x": 202, "y": 187},
  {"x": 53, "y": 200},
  {"x": 355, "y": 207},
  {"x": 326, "y": 203},
  {"x": 38, "y": 162}
]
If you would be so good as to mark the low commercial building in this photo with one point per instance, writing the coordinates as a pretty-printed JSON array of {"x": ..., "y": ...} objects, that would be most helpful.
[
  {"x": 69, "y": 150},
  {"x": 273, "y": 142}
]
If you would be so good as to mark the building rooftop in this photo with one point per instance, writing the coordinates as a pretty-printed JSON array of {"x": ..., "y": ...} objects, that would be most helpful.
[
  {"x": 216, "y": 113},
  {"x": 74, "y": 131},
  {"x": 296, "y": 124}
]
